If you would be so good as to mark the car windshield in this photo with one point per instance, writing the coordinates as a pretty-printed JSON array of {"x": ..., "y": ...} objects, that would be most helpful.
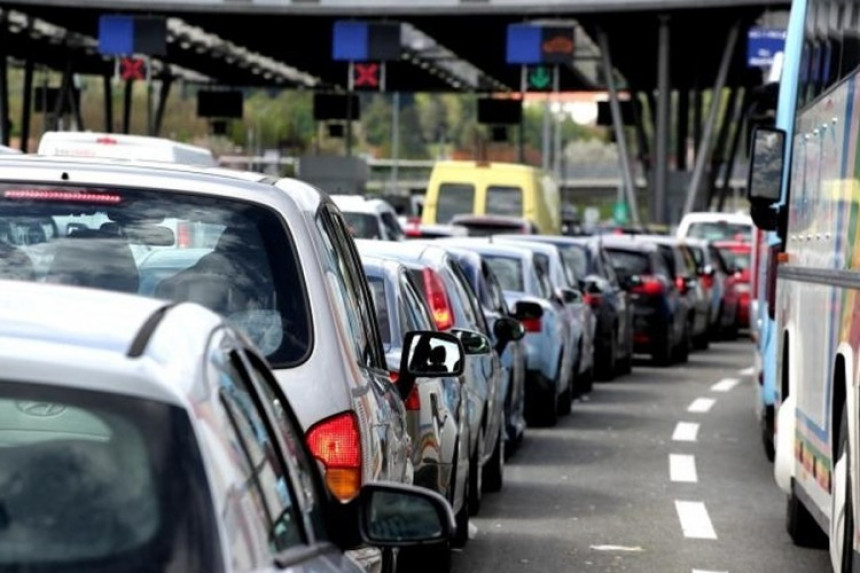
[
  {"x": 508, "y": 270},
  {"x": 233, "y": 257},
  {"x": 454, "y": 199},
  {"x": 720, "y": 231},
  {"x": 632, "y": 262},
  {"x": 362, "y": 225},
  {"x": 98, "y": 482},
  {"x": 503, "y": 200}
]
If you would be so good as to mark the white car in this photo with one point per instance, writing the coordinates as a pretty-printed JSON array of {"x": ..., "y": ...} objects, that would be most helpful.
[
  {"x": 716, "y": 226},
  {"x": 143, "y": 435},
  {"x": 123, "y": 146},
  {"x": 370, "y": 218}
]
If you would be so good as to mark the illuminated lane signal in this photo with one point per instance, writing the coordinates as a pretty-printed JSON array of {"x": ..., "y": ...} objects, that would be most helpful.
[
  {"x": 131, "y": 69},
  {"x": 366, "y": 75},
  {"x": 539, "y": 78}
]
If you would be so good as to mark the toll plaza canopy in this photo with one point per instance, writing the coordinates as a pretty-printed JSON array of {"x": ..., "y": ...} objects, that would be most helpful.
[{"x": 447, "y": 45}]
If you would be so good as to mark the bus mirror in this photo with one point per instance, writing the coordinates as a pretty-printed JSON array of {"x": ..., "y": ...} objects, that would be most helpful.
[{"x": 764, "y": 182}]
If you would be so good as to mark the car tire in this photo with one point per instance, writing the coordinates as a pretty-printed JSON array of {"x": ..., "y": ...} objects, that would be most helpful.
[
  {"x": 842, "y": 541},
  {"x": 461, "y": 518},
  {"x": 587, "y": 380},
  {"x": 494, "y": 471},
  {"x": 476, "y": 475},
  {"x": 800, "y": 525},
  {"x": 607, "y": 363},
  {"x": 663, "y": 350},
  {"x": 565, "y": 399}
]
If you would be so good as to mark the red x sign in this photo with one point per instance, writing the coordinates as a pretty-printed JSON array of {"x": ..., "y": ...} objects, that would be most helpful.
[
  {"x": 366, "y": 76},
  {"x": 132, "y": 68}
]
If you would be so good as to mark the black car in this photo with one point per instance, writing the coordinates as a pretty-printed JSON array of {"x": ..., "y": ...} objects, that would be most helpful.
[{"x": 660, "y": 311}]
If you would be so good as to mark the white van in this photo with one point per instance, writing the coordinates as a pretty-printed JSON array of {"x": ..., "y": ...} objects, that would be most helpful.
[
  {"x": 714, "y": 226},
  {"x": 120, "y": 146}
]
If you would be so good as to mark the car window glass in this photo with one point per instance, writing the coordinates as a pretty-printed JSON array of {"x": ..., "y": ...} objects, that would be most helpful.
[
  {"x": 97, "y": 481},
  {"x": 509, "y": 272},
  {"x": 362, "y": 225},
  {"x": 342, "y": 288},
  {"x": 234, "y": 257},
  {"x": 418, "y": 317},
  {"x": 698, "y": 255},
  {"x": 494, "y": 288},
  {"x": 660, "y": 268},
  {"x": 504, "y": 200},
  {"x": 392, "y": 227},
  {"x": 265, "y": 483},
  {"x": 473, "y": 307},
  {"x": 542, "y": 275},
  {"x": 634, "y": 263},
  {"x": 301, "y": 464},
  {"x": 380, "y": 303},
  {"x": 575, "y": 258},
  {"x": 668, "y": 257},
  {"x": 454, "y": 199}
]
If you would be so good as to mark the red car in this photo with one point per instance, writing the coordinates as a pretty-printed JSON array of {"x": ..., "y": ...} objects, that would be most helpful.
[{"x": 737, "y": 256}]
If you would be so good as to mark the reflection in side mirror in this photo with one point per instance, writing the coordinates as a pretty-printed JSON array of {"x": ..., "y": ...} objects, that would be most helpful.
[
  {"x": 431, "y": 355},
  {"x": 394, "y": 515},
  {"x": 473, "y": 342},
  {"x": 764, "y": 179},
  {"x": 507, "y": 329},
  {"x": 571, "y": 296},
  {"x": 524, "y": 310}
]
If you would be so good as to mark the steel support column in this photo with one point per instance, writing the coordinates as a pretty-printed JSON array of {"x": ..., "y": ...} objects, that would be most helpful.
[
  {"x": 704, "y": 149},
  {"x": 683, "y": 129},
  {"x": 5, "y": 121},
  {"x": 697, "y": 121},
  {"x": 546, "y": 137},
  {"x": 395, "y": 139},
  {"x": 718, "y": 157},
  {"x": 642, "y": 149},
  {"x": 126, "y": 106},
  {"x": 27, "y": 105},
  {"x": 163, "y": 95},
  {"x": 661, "y": 128},
  {"x": 739, "y": 128},
  {"x": 618, "y": 127},
  {"x": 107, "y": 88}
]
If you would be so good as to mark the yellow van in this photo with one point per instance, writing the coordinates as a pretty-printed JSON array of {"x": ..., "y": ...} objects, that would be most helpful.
[{"x": 485, "y": 188}]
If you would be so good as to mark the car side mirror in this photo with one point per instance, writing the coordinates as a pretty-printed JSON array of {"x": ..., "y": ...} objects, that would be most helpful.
[
  {"x": 764, "y": 178},
  {"x": 570, "y": 296},
  {"x": 525, "y": 310},
  {"x": 507, "y": 328},
  {"x": 428, "y": 354},
  {"x": 396, "y": 515},
  {"x": 473, "y": 342}
]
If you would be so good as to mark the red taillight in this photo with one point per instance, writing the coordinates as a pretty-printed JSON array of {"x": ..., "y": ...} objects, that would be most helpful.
[
  {"x": 650, "y": 286},
  {"x": 106, "y": 141},
  {"x": 438, "y": 300},
  {"x": 531, "y": 324},
  {"x": 707, "y": 281},
  {"x": 681, "y": 283},
  {"x": 394, "y": 377},
  {"x": 413, "y": 401},
  {"x": 183, "y": 235},
  {"x": 592, "y": 299},
  {"x": 336, "y": 442}
]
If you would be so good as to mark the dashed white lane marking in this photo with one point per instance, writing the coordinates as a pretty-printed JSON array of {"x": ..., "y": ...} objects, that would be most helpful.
[
  {"x": 704, "y": 571},
  {"x": 616, "y": 548},
  {"x": 701, "y": 405},
  {"x": 686, "y": 432},
  {"x": 682, "y": 468},
  {"x": 695, "y": 521},
  {"x": 747, "y": 371},
  {"x": 725, "y": 385}
]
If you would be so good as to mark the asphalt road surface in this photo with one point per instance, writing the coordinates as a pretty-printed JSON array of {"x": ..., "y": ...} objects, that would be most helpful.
[{"x": 659, "y": 471}]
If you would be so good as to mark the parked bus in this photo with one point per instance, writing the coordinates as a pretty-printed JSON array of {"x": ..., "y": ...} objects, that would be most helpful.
[{"x": 804, "y": 189}]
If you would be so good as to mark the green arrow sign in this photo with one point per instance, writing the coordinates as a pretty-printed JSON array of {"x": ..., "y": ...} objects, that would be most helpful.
[{"x": 540, "y": 78}]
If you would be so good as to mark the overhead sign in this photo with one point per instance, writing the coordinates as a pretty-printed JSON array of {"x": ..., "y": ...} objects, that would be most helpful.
[
  {"x": 336, "y": 107},
  {"x": 127, "y": 35},
  {"x": 530, "y": 45},
  {"x": 220, "y": 103},
  {"x": 366, "y": 76},
  {"x": 762, "y": 46},
  {"x": 495, "y": 111},
  {"x": 355, "y": 41},
  {"x": 539, "y": 79}
]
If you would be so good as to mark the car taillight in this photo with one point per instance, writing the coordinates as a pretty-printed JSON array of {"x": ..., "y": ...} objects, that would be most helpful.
[
  {"x": 183, "y": 235},
  {"x": 531, "y": 324},
  {"x": 592, "y": 299},
  {"x": 650, "y": 286},
  {"x": 336, "y": 442},
  {"x": 438, "y": 300},
  {"x": 707, "y": 281},
  {"x": 413, "y": 401},
  {"x": 681, "y": 283}
]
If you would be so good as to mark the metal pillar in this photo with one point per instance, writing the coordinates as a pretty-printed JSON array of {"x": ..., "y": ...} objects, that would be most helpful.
[
  {"x": 683, "y": 130},
  {"x": 27, "y": 105},
  {"x": 558, "y": 123},
  {"x": 546, "y": 136},
  {"x": 348, "y": 133},
  {"x": 642, "y": 150},
  {"x": 719, "y": 83},
  {"x": 697, "y": 120},
  {"x": 718, "y": 156},
  {"x": 661, "y": 129},
  {"x": 5, "y": 121},
  {"x": 737, "y": 123},
  {"x": 163, "y": 94},
  {"x": 108, "y": 95},
  {"x": 62, "y": 97},
  {"x": 618, "y": 127},
  {"x": 126, "y": 106},
  {"x": 395, "y": 139}
]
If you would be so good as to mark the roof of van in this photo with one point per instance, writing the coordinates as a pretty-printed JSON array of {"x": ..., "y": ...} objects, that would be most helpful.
[
  {"x": 111, "y": 145},
  {"x": 461, "y": 164}
]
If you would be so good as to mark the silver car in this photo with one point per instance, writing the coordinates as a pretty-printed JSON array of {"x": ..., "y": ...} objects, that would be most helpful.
[
  {"x": 274, "y": 257},
  {"x": 140, "y": 434}
]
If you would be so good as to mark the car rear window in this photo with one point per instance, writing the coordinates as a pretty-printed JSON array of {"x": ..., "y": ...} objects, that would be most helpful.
[
  {"x": 633, "y": 262},
  {"x": 668, "y": 254},
  {"x": 508, "y": 270},
  {"x": 503, "y": 200},
  {"x": 736, "y": 259},
  {"x": 454, "y": 199},
  {"x": 93, "y": 481},
  {"x": 720, "y": 231},
  {"x": 362, "y": 225},
  {"x": 377, "y": 290},
  {"x": 234, "y": 257}
]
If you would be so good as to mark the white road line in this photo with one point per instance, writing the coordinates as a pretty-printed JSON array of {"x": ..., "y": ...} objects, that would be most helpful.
[
  {"x": 682, "y": 468},
  {"x": 725, "y": 385},
  {"x": 686, "y": 432},
  {"x": 695, "y": 521},
  {"x": 707, "y": 571},
  {"x": 701, "y": 405},
  {"x": 747, "y": 371}
]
